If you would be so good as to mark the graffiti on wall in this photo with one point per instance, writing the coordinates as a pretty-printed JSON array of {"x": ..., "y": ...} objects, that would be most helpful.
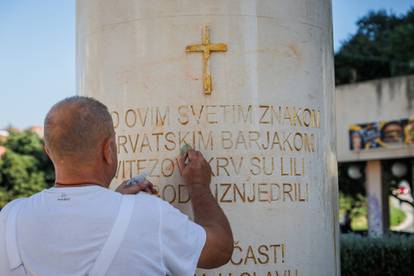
[{"x": 383, "y": 134}]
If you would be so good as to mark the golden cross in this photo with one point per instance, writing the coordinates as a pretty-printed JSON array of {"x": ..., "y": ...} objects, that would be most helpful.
[{"x": 206, "y": 48}]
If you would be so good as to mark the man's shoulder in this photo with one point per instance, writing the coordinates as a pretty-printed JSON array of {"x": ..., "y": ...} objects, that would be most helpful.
[
  {"x": 13, "y": 203},
  {"x": 154, "y": 205},
  {"x": 20, "y": 201},
  {"x": 147, "y": 199},
  {"x": 6, "y": 209},
  {"x": 154, "y": 200}
]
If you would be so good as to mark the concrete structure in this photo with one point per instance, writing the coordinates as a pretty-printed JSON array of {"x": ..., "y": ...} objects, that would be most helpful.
[
  {"x": 378, "y": 211},
  {"x": 377, "y": 117},
  {"x": 250, "y": 84},
  {"x": 373, "y": 101}
]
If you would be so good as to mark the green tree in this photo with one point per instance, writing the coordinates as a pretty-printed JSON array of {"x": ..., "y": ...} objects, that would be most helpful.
[
  {"x": 382, "y": 47},
  {"x": 24, "y": 169}
]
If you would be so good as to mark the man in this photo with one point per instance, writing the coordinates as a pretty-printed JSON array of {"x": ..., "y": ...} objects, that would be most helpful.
[{"x": 80, "y": 227}]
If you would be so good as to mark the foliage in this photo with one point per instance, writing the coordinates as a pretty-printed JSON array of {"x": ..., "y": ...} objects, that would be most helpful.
[
  {"x": 352, "y": 197},
  {"x": 357, "y": 205},
  {"x": 360, "y": 223},
  {"x": 382, "y": 47},
  {"x": 392, "y": 255},
  {"x": 397, "y": 216},
  {"x": 24, "y": 169},
  {"x": 358, "y": 211}
]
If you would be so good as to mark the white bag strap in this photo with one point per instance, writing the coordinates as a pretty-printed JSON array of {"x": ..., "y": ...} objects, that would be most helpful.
[
  {"x": 111, "y": 247},
  {"x": 13, "y": 252}
]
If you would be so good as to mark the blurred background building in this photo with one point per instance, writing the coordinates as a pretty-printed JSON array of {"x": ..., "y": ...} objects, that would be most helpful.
[
  {"x": 374, "y": 71},
  {"x": 375, "y": 142}
]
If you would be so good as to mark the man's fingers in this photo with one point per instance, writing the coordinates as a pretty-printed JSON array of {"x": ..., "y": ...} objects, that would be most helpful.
[
  {"x": 121, "y": 187},
  {"x": 145, "y": 186},
  {"x": 154, "y": 191},
  {"x": 192, "y": 154},
  {"x": 135, "y": 188},
  {"x": 124, "y": 183},
  {"x": 149, "y": 184},
  {"x": 195, "y": 155}
]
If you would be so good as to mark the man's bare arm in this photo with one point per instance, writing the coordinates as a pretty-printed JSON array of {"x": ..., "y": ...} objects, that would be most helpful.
[{"x": 218, "y": 248}]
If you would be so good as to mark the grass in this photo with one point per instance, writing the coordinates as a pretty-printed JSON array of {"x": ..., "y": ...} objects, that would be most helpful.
[
  {"x": 360, "y": 222},
  {"x": 396, "y": 216}
]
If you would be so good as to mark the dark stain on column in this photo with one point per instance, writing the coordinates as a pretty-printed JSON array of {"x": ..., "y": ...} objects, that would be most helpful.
[
  {"x": 378, "y": 91},
  {"x": 409, "y": 87},
  {"x": 395, "y": 87}
]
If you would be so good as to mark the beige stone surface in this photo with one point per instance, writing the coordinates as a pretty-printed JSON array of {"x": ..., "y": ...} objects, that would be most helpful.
[{"x": 267, "y": 128}]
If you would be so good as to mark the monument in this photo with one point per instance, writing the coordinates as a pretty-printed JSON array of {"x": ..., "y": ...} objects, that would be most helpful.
[{"x": 250, "y": 84}]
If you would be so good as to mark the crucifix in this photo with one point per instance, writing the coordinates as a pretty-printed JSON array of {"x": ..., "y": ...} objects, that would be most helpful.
[{"x": 206, "y": 48}]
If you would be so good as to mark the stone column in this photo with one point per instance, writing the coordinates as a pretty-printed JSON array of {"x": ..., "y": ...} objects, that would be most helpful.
[
  {"x": 377, "y": 193},
  {"x": 250, "y": 84}
]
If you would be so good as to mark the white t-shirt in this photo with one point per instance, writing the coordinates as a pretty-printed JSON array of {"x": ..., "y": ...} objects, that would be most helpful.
[{"x": 60, "y": 231}]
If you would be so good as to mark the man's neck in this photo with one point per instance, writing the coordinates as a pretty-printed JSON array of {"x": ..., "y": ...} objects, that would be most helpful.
[
  {"x": 72, "y": 185},
  {"x": 65, "y": 178}
]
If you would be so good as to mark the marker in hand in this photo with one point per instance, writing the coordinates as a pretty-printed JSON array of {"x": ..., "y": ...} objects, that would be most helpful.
[
  {"x": 183, "y": 151},
  {"x": 137, "y": 184},
  {"x": 137, "y": 179}
]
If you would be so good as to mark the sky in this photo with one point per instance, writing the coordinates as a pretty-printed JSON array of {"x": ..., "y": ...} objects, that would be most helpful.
[{"x": 37, "y": 51}]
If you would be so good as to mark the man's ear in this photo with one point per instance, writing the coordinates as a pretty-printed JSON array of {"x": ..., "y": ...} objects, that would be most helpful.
[
  {"x": 108, "y": 154},
  {"x": 45, "y": 148}
]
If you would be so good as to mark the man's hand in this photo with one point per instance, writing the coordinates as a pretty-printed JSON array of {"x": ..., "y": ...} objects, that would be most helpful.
[
  {"x": 197, "y": 171},
  {"x": 218, "y": 248},
  {"x": 133, "y": 189}
]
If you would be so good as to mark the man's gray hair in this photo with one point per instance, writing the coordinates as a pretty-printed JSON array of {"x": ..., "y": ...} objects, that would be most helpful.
[{"x": 76, "y": 127}]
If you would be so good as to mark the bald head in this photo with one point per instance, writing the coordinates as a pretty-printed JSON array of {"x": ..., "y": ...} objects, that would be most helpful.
[{"x": 76, "y": 128}]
